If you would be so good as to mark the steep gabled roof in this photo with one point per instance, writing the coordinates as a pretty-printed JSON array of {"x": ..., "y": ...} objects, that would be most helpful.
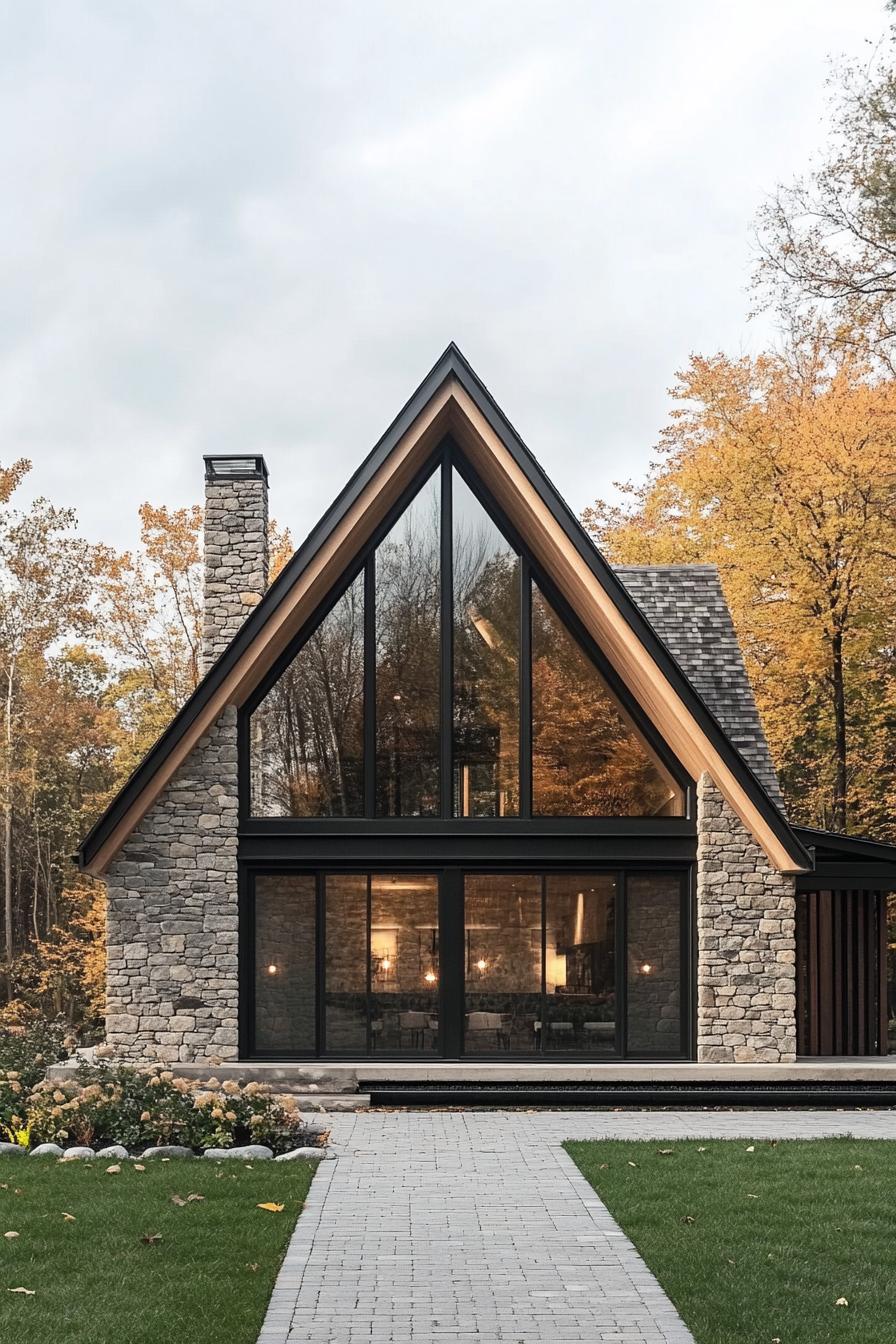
[
  {"x": 452, "y": 398},
  {"x": 687, "y": 608}
]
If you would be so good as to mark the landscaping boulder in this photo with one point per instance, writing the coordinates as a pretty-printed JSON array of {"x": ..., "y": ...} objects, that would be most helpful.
[
  {"x": 46, "y": 1150},
  {"x": 115, "y": 1150},
  {"x": 76, "y": 1153},
  {"x": 169, "y": 1150},
  {"x": 249, "y": 1152},
  {"x": 304, "y": 1154},
  {"x": 6, "y": 1149}
]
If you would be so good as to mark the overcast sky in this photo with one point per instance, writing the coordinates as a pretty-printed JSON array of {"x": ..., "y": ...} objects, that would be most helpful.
[{"x": 255, "y": 226}]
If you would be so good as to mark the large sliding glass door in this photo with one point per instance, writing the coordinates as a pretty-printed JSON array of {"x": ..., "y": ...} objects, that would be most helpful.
[{"x": 486, "y": 964}]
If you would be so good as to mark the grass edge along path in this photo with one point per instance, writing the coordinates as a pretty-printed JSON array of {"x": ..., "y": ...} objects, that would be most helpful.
[
  {"x": 179, "y": 1251},
  {"x": 757, "y": 1241}
]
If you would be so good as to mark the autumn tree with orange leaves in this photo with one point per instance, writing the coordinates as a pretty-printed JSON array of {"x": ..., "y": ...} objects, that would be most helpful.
[{"x": 781, "y": 470}]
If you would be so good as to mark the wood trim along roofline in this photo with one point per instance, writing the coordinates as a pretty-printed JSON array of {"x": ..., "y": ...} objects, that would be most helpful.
[{"x": 453, "y": 399}]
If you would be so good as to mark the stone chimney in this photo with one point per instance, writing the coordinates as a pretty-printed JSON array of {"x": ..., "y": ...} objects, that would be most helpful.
[{"x": 235, "y": 548}]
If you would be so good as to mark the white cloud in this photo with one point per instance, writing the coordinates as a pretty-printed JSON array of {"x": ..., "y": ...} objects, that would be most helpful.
[{"x": 255, "y": 227}]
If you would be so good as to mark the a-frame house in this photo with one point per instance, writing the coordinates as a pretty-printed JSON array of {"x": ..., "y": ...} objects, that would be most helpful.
[{"x": 453, "y": 788}]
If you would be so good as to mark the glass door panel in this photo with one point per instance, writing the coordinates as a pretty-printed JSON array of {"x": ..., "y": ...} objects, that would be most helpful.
[
  {"x": 580, "y": 972},
  {"x": 653, "y": 954},
  {"x": 345, "y": 965},
  {"x": 285, "y": 964},
  {"x": 404, "y": 963},
  {"x": 502, "y": 964}
]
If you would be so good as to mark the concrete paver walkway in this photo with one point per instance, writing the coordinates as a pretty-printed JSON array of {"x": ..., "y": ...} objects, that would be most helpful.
[{"x": 476, "y": 1226}]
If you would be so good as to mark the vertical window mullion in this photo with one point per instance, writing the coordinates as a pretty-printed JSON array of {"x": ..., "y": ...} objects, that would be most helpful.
[
  {"x": 446, "y": 671},
  {"x": 525, "y": 674},
  {"x": 368, "y": 994},
  {"x": 544, "y": 962},
  {"x": 621, "y": 945},
  {"x": 370, "y": 686}
]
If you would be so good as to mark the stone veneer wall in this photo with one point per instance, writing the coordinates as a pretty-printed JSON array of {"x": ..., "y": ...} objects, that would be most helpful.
[
  {"x": 235, "y": 552},
  {"x": 746, "y": 942},
  {"x": 172, "y": 923}
]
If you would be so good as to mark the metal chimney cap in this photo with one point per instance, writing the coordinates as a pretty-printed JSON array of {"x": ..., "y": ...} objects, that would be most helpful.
[{"x": 234, "y": 467}]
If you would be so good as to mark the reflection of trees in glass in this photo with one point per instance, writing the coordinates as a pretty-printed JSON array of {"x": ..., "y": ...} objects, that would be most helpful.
[
  {"x": 587, "y": 760},
  {"x": 307, "y": 734},
  {"x": 486, "y": 576},
  {"x": 407, "y": 660}
]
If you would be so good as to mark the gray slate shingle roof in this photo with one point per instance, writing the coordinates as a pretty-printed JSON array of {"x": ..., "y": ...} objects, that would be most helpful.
[{"x": 687, "y": 609}]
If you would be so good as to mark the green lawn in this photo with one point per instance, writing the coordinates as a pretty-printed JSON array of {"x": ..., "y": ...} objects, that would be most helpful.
[
  {"x": 205, "y": 1277},
  {"x": 758, "y": 1246}
]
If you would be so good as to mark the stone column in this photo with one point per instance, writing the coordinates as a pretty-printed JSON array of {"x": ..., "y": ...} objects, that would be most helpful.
[
  {"x": 235, "y": 548},
  {"x": 173, "y": 913},
  {"x": 746, "y": 942}
]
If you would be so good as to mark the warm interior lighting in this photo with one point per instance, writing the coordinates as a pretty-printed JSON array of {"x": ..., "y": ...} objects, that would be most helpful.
[
  {"x": 645, "y": 968},
  {"x": 484, "y": 628},
  {"x": 272, "y": 969},
  {"x": 430, "y": 977},
  {"x": 385, "y": 964},
  {"x": 482, "y": 964}
]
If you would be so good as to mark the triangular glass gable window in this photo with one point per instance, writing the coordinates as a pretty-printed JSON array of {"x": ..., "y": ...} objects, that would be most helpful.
[
  {"x": 307, "y": 734},
  {"x": 588, "y": 759},
  {"x": 428, "y": 639}
]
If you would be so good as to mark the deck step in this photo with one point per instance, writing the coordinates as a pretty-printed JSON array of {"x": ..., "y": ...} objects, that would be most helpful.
[{"x": 677, "y": 1095}]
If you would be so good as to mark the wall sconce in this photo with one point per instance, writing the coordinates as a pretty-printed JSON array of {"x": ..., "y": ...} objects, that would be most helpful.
[
  {"x": 272, "y": 969},
  {"x": 430, "y": 977},
  {"x": 646, "y": 968},
  {"x": 482, "y": 965}
]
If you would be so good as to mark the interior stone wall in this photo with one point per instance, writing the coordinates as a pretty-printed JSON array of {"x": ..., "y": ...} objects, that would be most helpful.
[
  {"x": 172, "y": 921},
  {"x": 285, "y": 963},
  {"x": 746, "y": 942},
  {"x": 654, "y": 942}
]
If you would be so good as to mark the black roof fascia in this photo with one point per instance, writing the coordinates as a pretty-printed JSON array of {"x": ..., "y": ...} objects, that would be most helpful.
[
  {"x": 842, "y": 850},
  {"x": 450, "y": 362}
]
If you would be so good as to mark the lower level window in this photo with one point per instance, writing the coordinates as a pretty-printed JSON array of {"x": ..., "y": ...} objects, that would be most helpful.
[
  {"x": 482, "y": 964},
  {"x": 285, "y": 964}
]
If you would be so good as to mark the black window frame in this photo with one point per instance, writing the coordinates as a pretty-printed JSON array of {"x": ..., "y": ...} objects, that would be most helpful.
[{"x": 450, "y": 876}]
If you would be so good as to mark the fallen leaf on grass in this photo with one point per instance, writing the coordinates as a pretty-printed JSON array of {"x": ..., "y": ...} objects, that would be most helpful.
[
  {"x": 252, "y": 1267},
  {"x": 29, "y": 1292},
  {"x": 752, "y": 1196},
  {"x": 701, "y": 1150},
  {"x": 69, "y": 1217},
  {"x": 151, "y": 1238},
  {"x": 841, "y": 1302},
  {"x": 752, "y": 1148},
  {"x": 733, "y": 1262},
  {"x": 138, "y": 1166},
  {"x": 114, "y": 1170},
  {"x": 195, "y": 1199},
  {"x": 665, "y": 1152},
  {"x": 10, "y": 1236},
  {"x": 178, "y": 1200},
  {"x": 604, "y": 1166},
  {"x": 689, "y": 1218},
  {"x": 272, "y": 1208},
  {"x": 633, "y": 1164}
]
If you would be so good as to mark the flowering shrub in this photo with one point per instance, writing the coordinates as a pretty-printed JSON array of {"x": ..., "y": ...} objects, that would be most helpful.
[
  {"x": 28, "y": 1048},
  {"x": 25, "y": 1052},
  {"x": 143, "y": 1107}
]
